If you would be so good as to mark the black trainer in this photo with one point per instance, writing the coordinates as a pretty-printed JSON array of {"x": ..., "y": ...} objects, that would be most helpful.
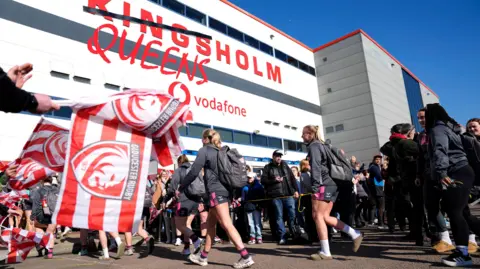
[{"x": 457, "y": 259}]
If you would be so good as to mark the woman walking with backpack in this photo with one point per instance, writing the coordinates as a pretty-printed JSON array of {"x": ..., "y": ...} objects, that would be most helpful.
[
  {"x": 219, "y": 200},
  {"x": 324, "y": 194}
]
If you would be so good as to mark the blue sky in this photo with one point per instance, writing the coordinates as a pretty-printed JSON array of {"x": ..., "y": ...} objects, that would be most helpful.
[{"x": 439, "y": 41}]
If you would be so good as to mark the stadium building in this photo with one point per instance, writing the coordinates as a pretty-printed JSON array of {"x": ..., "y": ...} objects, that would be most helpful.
[{"x": 253, "y": 83}]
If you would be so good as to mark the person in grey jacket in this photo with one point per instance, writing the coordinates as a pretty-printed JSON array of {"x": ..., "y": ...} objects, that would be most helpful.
[
  {"x": 186, "y": 208},
  {"x": 450, "y": 167},
  {"x": 219, "y": 200},
  {"x": 324, "y": 194}
]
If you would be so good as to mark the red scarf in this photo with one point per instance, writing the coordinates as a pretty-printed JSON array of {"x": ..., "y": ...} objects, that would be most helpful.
[{"x": 397, "y": 136}]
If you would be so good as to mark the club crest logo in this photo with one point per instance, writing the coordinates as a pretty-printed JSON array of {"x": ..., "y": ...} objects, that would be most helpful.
[
  {"x": 138, "y": 112},
  {"x": 55, "y": 148},
  {"x": 108, "y": 169}
]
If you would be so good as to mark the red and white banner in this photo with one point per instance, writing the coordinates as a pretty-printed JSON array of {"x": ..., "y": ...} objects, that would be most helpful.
[
  {"x": 9, "y": 199},
  {"x": 107, "y": 162},
  {"x": 20, "y": 242},
  {"x": 43, "y": 155}
]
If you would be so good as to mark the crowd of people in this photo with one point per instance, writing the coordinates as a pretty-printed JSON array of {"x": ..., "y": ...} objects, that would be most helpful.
[{"x": 418, "y": 180}]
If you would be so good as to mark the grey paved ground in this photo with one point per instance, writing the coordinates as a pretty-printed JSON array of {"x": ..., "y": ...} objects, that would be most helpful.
[{"x": 380, "y": 250}]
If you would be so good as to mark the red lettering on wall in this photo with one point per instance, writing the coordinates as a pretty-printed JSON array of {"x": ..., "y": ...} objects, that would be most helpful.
[
  {"x": 147, "y": 15},
  {"x": 133, "y": 53},
  {"x": 94, "y": 47},
  {"x": 274, "y": 74},
  {"x": 146, "y": 54},
  {"x": 180, "y": 39},
  {"x": 202, "y": 71},
  {"x": 255, "y": 67},
  {"x": 126, "y": 12},
  {"x": 203, "y": 46},
  {"x": 167, "y": 60},
  {"x": 171, "y": 91},
  {"x": 243, "y": 64},
  {"x": 94, "y": 43},
  {"x": 221, "y": 52},
  {"x": 212, "y": 104},
  {"x": 101, "y": 4}
]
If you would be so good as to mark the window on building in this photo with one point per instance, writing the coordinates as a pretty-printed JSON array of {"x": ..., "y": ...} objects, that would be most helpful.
[
  {"x": 414, "y": 97},
  {"x": 63, "y": 112},
  {"x": 217, "y": 25},
  {"x": 196, "y": 130},
  {"x": 303, "y": 66},
  {"x": 183, "y": 130},
  {"x": 311, "y": 70},
  {"x": 234, "y": 33},
  {"x": 292, "y": 61},
  {"x": 225, "y": 134},
  {"x": 252, "y": 42},
  {"x": 339, "y": 128},
  {"x": 155, "y": 1},
  {"x": 302, "y": 147},
  {"x": 280, "y": 55},
  {"x": 329, "y": 130},
  {"x": 196, "y": 15},
  {"x": 174, "y": 5},
  {"x": 112, "y": 87},
  {"x": 242, "y": 138},
  {"x": 266, "y": 48},
  {"x": 274, "y": 142},
  {"x": 260, "y": 140},
  {"x": 290, "y": 145},
  {"x": 81, "y": 79}
]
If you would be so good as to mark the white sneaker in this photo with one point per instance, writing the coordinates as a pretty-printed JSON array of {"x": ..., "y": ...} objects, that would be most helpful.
[
  {"x": 244, "y": 263},
  {"x": 178, "y": 242},
  {"x": 197, "y": 259},
  {"x": 66, "y": 231}
]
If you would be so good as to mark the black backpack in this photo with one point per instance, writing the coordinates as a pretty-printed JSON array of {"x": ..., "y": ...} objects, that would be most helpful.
[
  {"x": 196, "y": 189},
  {"x": 232, "y": 169},
  {"x": 339, "y": 167}
]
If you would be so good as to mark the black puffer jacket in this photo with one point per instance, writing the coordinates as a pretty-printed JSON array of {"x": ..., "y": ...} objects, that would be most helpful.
[
  {"x": 13, "y": 99},
  {"x": 206, "y": 158},
  {"x": 445, "y": 150},
  {"x": 471, "y": 145},
  {"x": 277, "y": 189},
  {"x": 407, "y": 153}
]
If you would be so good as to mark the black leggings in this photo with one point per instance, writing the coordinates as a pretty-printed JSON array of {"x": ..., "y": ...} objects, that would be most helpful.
[
  {"x": 455, "y": 203},
  {"x": 379, "y": 204}
]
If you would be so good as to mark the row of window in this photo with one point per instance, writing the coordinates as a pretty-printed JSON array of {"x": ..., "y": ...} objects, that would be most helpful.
[
  {"x": 243, "y": 138},
  {"x": 332, "y": 129},
  {"x": 247, "y": 158},
  {"x": 221, "y": 27}
]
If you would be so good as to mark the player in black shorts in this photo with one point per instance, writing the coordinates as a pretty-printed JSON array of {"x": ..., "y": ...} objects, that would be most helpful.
[{"x": 186, "y": 207}]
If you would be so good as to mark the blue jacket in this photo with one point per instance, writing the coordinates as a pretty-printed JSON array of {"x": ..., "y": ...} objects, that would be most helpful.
[
  {"x": 376, "y": 181},
  {"x": 253, "y": 191}
]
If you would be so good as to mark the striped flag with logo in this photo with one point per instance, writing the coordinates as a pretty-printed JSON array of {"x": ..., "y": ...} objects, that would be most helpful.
[
  {"x": 107, "y": 162},
  {"x": 42, "y": 155},
  {"x": 20, "y": 242}
]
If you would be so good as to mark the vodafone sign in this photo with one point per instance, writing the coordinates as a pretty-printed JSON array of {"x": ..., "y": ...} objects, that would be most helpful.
[{"x": 212, "y": 104}]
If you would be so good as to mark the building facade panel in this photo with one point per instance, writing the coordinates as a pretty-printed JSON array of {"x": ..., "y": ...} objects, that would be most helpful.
[{"x": 427, "y": 96}]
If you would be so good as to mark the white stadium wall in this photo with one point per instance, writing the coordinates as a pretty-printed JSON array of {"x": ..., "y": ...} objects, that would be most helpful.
[
  {"x": 229, "y": 83},
  {"x": 428, "y": 97}
]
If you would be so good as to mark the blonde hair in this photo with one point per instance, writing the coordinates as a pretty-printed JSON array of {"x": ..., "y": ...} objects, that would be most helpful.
[
  {"x": 304, "y": 166},
  {"x": 315, "y": 130},
  {"x": 213, "y": 137}
]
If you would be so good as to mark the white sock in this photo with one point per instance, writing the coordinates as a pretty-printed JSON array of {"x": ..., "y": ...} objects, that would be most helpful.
[
  {"x": 325, "y": 247},
  {"x": 118, "y": 240},
  {"x": 471, "y": 238},
  {"x": 351, "y": 232},
  {"x": 105, "y": 253},
  {"x": 445, "y": 236}
]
